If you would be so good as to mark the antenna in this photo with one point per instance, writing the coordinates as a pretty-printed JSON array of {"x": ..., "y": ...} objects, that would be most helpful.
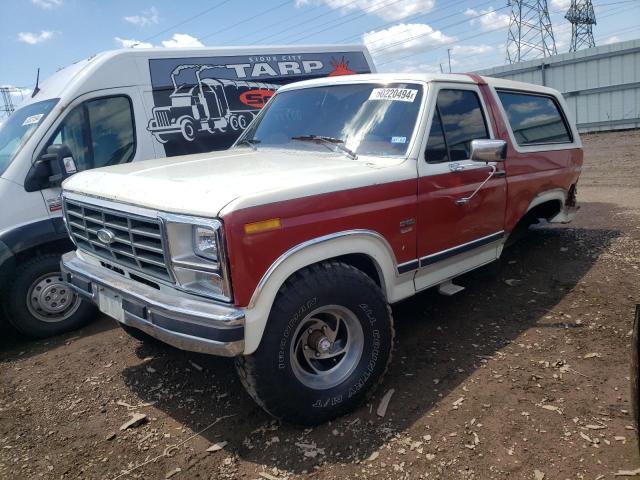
[
  {"x": 530, "y": 32},
  {"x": 36, "y": 89},
  {"x": 582, "y": 18}
]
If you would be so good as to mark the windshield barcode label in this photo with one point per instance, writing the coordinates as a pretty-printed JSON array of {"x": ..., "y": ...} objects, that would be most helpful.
[{"x": 395, "y": 94}]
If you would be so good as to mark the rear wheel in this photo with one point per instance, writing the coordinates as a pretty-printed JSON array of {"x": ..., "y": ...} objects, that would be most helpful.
[
  {"x": 39, "y": 304},
  {"x": 327, "y": 344}
]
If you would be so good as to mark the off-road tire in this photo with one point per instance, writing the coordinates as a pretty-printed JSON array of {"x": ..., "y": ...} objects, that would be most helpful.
[
  {"x": 268, "y": 375},
  {"x": 15, "y": 307}
]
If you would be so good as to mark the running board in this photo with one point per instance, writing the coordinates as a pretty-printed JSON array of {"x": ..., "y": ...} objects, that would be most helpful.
[{"x": 449, "y": 288}]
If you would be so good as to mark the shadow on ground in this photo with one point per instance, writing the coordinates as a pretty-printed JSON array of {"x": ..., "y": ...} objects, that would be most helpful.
[
  {"x": 13, "y": 344},
  {"x": 438, "y": 337}
]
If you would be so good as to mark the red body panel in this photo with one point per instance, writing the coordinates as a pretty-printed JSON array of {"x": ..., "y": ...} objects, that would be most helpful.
[
  {"x": 380, "y": 208},
  {"x": 529, "y": 174},
  {"x": 442, "y": 224}
]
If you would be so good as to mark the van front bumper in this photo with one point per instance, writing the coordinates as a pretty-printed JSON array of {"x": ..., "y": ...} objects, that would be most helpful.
[{"x": 187, "y": 323}]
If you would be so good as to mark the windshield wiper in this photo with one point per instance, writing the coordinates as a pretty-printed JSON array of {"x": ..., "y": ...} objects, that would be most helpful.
[
  {"x": 327, "y": 141},
  {"x": 252, "y": 143}
]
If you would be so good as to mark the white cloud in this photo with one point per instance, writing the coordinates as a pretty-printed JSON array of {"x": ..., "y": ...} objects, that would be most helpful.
[
  {"x": 471, "y": 49},
  {"x": 182, "y": 40},
  {"x": 488, "y": 19},
  {"x": 132, "y": 43},
  {"x": 47, "y": 4},
  {"x": 610, "y": 40},
  {"x": 148, "y": 17},
  {"x": 397, "y": 10},
  {"x": 412, "y": 37},
  {"x": 33, "y": 38}
]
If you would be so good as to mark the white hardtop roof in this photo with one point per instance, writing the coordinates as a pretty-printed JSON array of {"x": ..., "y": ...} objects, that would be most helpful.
[
  {"x": 422, "y": 78},
  {"x": 121, "y": 67}
]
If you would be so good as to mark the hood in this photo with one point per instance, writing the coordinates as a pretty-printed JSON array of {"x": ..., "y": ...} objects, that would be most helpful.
[{"x": 204, "y": 184}]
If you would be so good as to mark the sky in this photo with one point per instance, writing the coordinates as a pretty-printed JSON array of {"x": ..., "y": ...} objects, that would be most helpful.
[{"x": 403, "y": 35}]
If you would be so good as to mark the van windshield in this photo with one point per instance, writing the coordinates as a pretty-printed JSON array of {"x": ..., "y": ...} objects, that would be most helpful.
[
  {"x": 19, "y": 127},
  {"x": 363, "y": 118}
]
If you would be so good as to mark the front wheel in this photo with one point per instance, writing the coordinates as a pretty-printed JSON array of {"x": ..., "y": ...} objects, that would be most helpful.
[
  {"x": 327, "y": 344},
  {"x": 39, "y": 304}
]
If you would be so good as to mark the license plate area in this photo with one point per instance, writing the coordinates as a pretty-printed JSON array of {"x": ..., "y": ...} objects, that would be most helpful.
[{"x": 110, "y": 303}]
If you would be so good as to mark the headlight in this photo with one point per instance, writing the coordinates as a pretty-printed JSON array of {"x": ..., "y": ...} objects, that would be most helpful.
[
  {"x": 205, "y": 243},
  {"x": 197, "y": 255}
]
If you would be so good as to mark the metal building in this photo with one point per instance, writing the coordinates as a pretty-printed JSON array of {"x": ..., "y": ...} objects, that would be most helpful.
[{"x": 601, "y": 84}]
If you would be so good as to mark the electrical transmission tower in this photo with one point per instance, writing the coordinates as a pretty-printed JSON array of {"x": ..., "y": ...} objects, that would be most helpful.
[
  {"x": 530, "y": 31},
  {"x": 7, "y": 100},
  {"x": 582, "y": 18}
]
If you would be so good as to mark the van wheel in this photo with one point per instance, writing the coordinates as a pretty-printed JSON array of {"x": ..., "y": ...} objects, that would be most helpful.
[
  {"x": 327, "y": 344},
  {"x": 39, "y": 304},
  {"x": 188, "y": 129}
]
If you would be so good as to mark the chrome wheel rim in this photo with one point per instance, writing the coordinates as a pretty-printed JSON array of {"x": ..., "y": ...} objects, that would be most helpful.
[
  {"x": 51, "y": 300},
  {"x": 326, "y": 347}
]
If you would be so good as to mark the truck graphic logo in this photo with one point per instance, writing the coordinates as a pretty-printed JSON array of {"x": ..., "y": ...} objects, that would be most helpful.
[
  {"x": 207, "y": 106},
  {"x": 202, "y": 104}
]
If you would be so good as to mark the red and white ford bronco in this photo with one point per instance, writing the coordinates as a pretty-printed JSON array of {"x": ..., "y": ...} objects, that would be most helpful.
[{"x": 345, "y": 195}]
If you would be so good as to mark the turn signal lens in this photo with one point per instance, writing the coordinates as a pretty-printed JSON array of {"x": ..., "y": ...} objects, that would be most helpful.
[{"x": 262, "y": 226}]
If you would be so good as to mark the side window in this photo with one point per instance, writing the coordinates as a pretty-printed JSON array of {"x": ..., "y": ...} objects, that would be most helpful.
[
  {"x": 534, "y": 119},
  {"x": 99, "y": 132},
  {"x": 462, "y": 121}
]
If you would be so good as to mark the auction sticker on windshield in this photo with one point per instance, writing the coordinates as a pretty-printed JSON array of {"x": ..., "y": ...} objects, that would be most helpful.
[{"x": 396, "y": 94}]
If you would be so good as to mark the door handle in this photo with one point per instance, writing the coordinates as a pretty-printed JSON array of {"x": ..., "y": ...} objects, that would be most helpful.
[{"x": 465, "y": 200}]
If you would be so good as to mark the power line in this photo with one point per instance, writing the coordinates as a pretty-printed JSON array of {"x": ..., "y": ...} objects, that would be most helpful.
[
  {"x": 415, "y": 17},
  {"x": 197, "y": 15},
  {"x": 285, "y": 30},
  {"x": 248, "y": 19},
  {"x": 391, "y": 45}
]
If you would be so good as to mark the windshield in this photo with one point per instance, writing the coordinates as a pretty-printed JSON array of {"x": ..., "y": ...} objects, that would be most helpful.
[
  {"x": 19, "y": 127},
  {"x": 366, "y": 118}
]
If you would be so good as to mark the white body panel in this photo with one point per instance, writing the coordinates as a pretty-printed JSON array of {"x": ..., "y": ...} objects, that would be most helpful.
[{"x": 204, "y": 185}]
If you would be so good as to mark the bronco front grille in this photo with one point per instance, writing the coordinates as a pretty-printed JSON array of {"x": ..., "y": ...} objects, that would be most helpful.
[{"x": 136, "y": 242}]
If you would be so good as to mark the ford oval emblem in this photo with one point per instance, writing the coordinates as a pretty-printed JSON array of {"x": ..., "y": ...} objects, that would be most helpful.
[{"x": 106, "y": 236}]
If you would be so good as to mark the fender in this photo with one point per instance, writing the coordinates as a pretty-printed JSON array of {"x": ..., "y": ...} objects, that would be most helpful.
[
  {"x": 558, "y": 194},
  {"x": 395, "y": 286}
]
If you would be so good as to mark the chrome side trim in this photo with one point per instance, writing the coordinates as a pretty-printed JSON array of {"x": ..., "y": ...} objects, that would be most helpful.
[
  {"x": 315, "y": 241},
  {"x": 464, "y": 247}
]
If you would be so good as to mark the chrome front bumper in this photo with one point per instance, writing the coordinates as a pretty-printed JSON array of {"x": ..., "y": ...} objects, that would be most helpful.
[{"x": 186, "y": 323}]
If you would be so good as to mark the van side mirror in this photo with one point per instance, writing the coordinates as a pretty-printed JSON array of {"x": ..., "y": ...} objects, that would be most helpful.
[
  {"x": 51, "y": 169},
  {"x": 488, "y": 150}
]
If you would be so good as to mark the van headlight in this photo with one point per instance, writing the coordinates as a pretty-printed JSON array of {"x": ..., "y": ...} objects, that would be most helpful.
[{"x": 196, "y": 251}]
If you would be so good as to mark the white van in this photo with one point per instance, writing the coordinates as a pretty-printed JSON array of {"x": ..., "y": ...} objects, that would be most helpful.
[{"x": 117, "y": 107}]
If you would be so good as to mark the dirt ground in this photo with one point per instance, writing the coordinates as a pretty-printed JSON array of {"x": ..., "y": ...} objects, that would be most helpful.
[{"x": 525, "y": 374}]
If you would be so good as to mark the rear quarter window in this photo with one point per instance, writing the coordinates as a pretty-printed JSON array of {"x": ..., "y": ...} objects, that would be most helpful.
[{"x": 535, "y": 119}]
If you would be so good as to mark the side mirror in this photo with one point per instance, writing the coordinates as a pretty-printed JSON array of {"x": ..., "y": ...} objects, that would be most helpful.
[
  {"x": 51, "y": 169},
  {"x": 488, "y": 150}
]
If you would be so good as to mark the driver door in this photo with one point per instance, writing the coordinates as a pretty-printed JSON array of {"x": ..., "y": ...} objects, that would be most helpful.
[
  {"x": 454, "y": 235},
  {"x": 99, "y": 131}
]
